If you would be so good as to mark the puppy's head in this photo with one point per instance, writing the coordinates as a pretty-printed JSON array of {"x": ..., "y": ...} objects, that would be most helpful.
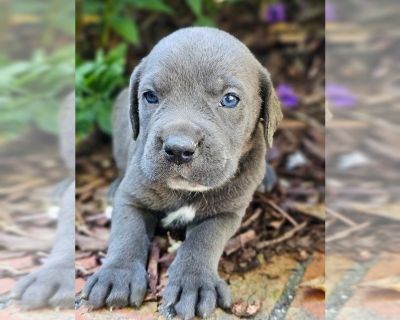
[{"x": 196, "y": 101}]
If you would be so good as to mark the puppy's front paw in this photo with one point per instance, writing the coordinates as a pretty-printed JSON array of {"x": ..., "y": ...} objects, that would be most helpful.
[
  {"x": 50, "y": 286},
  {"x": 192, "y": 291},
  {"x": 116, "y": 287}
]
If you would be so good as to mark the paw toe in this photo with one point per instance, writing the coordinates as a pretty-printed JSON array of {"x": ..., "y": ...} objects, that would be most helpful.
[
  {"x": 137, "y": 296},
  {"x": 63, "y": 299},
  {"x": 118, "y": 298},
  {"x": 207, "y": 303},
  {"x": 99, "y": 294},
  {"x": 37, "y": 296},
  {"x": 224, "y": 297},
  {"x": 185, "y": 308},
  {"x": 22, "y": 285},
  {"x": 171, "y": 294}
]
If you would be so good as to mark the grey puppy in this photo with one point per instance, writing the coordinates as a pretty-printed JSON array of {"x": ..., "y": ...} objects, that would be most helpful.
[{"x": 190, "y": 137}]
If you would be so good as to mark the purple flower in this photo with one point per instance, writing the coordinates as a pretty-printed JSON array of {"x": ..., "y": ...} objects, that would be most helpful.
[
  {"x": 287, "y": 96},
  {"x": 275, "y": 13},
  {"x": 340, "y": 96},
  {"x": 330, "y": 12}
]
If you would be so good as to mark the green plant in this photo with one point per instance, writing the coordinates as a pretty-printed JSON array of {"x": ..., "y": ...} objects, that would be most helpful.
[
  {"x": 31, "y": 90},
  {"x": 97, "y": 82},
  {"x": 197, "y": 7},
  {"x": 35, "y": 73},
  {"x": 117, "y": 16}
]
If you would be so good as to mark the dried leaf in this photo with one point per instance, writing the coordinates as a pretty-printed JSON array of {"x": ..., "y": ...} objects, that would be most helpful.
[
  {"x": 244, "y": 309},
  {"x": 390, "y": 283},
  {"x": 391, "y": 210},
  {"x": 315, "y": 210},
  {"x": 315, "y": 284}
]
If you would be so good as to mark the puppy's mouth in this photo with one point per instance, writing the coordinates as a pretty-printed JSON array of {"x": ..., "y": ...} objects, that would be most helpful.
[{"x": 180, "y": 183}]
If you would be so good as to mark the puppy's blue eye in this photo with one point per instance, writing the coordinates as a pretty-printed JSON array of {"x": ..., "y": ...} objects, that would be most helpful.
[
  {"x": 150, "y": 97},
  {"x": 229, "y": 100}
]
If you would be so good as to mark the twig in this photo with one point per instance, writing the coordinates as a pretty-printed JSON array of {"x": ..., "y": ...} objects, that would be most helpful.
[
  {"x": 90, "y": 186},
  {"x": 292, "y": 124},
  {"x": 328, "y": 223},
  {"x": 281, "y": 211},
  {"x": 347, "y": 232},
  {"x": 152, "y": 268},
  {"x": 252, "y": 218},
  {"x": 314, "y": 149},
  {"x": 310, "y": 121},
  {"x": 284, "y": 237},
  {"x": 340, "y": 217},
  {"x": 239, "y": 241},
  {"x": 31, "y": 184}
]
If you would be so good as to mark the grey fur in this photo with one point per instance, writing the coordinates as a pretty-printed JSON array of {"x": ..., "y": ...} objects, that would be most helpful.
[{"x": 190, "y": 70}]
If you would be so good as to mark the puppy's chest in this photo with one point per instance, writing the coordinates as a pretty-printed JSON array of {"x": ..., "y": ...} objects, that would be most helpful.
[{"x": 180, "y": 217}]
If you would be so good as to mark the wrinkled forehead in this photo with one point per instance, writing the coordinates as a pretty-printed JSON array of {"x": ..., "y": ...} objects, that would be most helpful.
[
  {"x": 213, "y": 81},
  {"x": 193, "y": 65}
]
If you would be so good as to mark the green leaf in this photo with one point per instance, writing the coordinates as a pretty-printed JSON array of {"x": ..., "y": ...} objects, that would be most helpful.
[
  {"x": 97, "y": 83},
  {"x": 47, "y": 121},
  {"x": 126, "y": 28},
  {"x": 195, "y": 6},
  {"x": 93, "y": 6},
  {"x": 204, "y": 21},
  {"x": 31, "y": 90},
  {"x": 152, "y": 5},
  {"x": 103, "y": 116}
]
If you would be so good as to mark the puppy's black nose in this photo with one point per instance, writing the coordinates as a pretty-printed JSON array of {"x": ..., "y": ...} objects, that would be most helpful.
[{"x": 179, "y": 149}]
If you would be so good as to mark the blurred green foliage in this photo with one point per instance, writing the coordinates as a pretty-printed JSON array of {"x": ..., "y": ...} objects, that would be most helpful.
[
  {"x": 36, "y": 64},
  {"x": 96, "y": 84},
  {"x": 31, "y": 90},
  {"x": 197, "y": 7}
]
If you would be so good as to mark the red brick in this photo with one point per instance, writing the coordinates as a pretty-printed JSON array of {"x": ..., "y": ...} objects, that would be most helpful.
[
  {"x": 311, "y": 301},
  {"x": 384, "y": 303}
]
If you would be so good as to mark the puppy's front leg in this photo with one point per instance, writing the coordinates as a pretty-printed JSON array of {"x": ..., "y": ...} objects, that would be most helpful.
[
  {"x": 122, "y": 280},
  {"x": 194, "y": 285}
]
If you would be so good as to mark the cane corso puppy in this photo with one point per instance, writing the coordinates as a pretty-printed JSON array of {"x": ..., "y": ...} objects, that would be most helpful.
[{"x": 190, "y": 137}]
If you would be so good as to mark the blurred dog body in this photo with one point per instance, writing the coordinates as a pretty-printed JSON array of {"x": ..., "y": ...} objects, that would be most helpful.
[{"x": 53, "y": 285}]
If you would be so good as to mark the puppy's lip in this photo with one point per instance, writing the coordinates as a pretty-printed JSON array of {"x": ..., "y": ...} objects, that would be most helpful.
[{"x": 180, "y": 183}]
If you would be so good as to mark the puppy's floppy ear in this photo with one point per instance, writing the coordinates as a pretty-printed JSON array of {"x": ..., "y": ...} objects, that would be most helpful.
[
  {"x": 134, "y": 99},
  {"x": 271, "y": 112}
]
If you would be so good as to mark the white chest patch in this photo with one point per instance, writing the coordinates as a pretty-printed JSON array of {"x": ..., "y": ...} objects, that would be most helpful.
[{"x": 181, "y": 216}]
